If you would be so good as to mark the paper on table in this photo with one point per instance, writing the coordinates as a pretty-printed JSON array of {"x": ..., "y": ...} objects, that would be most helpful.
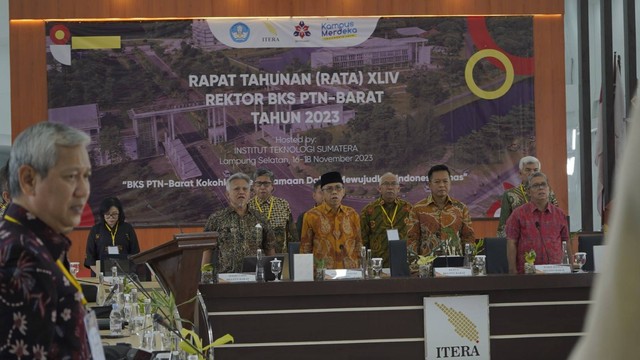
[
  {"x": 302, "y": 267},
  {"x": 599, "y": 256}
]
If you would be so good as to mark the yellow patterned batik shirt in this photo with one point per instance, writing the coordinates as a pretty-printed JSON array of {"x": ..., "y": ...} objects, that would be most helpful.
[{"x": 333, "y": 237}]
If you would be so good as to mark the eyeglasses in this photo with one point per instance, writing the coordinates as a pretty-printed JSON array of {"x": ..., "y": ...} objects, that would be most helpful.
[
  {"x": 112, "y": 215},
  {"x": 262, "y": 183},
  {"x": 538, "y": 186},
  {"x": 330, "y": 189},
  {"x": 389, "y": 183}
]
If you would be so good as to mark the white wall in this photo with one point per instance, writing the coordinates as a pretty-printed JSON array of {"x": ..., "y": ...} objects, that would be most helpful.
[{"x": 5, "y": 83}]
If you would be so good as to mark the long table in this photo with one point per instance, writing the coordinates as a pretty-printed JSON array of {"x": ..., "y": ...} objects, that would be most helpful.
[{"x": 531, "y": 316}]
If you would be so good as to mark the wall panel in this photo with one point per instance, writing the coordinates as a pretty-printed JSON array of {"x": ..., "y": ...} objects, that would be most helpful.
[{"x": 28, "y": 66}]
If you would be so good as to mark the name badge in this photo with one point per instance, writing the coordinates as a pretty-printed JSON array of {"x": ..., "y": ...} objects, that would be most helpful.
[
  {"x": 93, "y": 335},
  {"x": 451, "y": 271},
  {"x": 236, "y": 277},
  {"x": 342, "y": 274},
  {"x": 113, "y": 250},
  {"x": 392, "y": 234},
  {"x": 553, "y": 269}
]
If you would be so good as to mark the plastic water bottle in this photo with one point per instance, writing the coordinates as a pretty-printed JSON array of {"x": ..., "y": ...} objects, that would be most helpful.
[
  {"x": 565, "y": 254},
  {"x": 115, "y": 320},
  {"x": 127, "y": 308},
  {"x": 259, "y": 267},
  {"x": 467, "y": 256},
  {"x": 363, "y": 261},
  {"x": 100, "y": 294}
]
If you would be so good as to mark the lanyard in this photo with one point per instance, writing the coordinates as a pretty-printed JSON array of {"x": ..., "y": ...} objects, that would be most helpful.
[
  {"x": 112, "y": 233},
  {"x": 270, "y": 207},
  {"x": 523, "y": 193},
  {"x": 66, "y": 274},
  {"x": 72, "y": 280},
  {"x": 392, "y": 219}
]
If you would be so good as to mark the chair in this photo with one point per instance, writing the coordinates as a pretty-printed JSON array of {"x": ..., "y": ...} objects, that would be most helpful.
[
  {"x": 249, "y": 265},
  {"x": 90, "y": 292},
  {"x": 398, "y": 258},
  {"x": 496, "y": 251},
  {"x": 586, "y": 242}
]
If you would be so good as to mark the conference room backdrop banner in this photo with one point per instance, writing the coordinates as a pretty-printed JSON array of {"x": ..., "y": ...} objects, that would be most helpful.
[{"x": 174, "y": 107}]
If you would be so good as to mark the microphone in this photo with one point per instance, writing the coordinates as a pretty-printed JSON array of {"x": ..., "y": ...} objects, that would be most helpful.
[
  {"x": 177, "y": 224},
  {"x": 546, "y": 254},
  {"x": 162, "y": 321},
  {"x": 343, "y": 254}
]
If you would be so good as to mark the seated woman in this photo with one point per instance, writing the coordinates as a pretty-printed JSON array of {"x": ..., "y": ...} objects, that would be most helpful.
[{"x": 111, "y": 235}]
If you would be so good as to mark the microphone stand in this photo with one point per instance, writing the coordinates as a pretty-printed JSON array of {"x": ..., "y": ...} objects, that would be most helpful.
[
  {"x": 162, "y": 321},
  {"x": 177, "y": 224},
  {"x": 546, "y": 254}
]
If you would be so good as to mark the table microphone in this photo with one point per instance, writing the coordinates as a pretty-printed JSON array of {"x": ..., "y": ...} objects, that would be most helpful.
[
  {"x": 177, "y": 224},
  {"x": 162, "y": 321},
  {"x": 546, "y": 254}
]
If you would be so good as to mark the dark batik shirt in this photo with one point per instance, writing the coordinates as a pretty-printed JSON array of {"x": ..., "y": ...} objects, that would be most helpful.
[
  {"x": 41, "y": 313},
  {"x": 376, "y": 220},
  {"x": 278, "y": 215},
  {"x": 238, "y": 238}
]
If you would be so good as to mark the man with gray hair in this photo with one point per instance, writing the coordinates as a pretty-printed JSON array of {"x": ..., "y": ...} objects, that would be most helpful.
[
  {"x": 517, "y": 195},
  {"x": 238, "y": 236},
  {"x": 383, "y": 217},
  {"x": 537, "y": 225},
  {"x": 275, "y": 209},
  {"x": 41, "y": 304}
]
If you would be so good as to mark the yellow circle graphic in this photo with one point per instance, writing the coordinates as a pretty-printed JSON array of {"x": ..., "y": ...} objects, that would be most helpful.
[
  {"x": 59, "y": 34},
  {"x": 508, "y": 81}
]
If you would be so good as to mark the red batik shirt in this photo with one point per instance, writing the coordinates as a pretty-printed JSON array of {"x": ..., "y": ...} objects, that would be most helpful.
[{"x": 542, "y": 231}]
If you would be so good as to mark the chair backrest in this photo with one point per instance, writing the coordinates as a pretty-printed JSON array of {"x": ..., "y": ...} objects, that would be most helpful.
[
  {"x": 90, "y": 292},
  {"x": 398, "y": 258},
  {"x": 585, "y": 244},
  {"x": 249, "y": 265},
  {"x": 496, "y": 251}
]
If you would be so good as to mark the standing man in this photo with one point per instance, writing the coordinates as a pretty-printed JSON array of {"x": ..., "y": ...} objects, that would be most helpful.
[
  {"x": 274, "y": 209},
  {"x": 238, "y": 235},
  {"x": 537, "y": 225},
  {"x": 438, "y": 217},
  {"x": 383, "y": 217},
  {"x": 318, "y": 198},
  {"x": 517, "y": 195},
  {"x": 331, "y": 231},
  {"x": 40, "y": 302}
]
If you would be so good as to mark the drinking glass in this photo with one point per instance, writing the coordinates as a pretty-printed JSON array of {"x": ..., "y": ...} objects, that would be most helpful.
[
  {"x": 74, "y": 268},
  {"x": 206, "y": 277},
  {"x": 376, "y": 265},
  {"x": 425, "y": 270},
  {"x": 579, "y": 259},
  {"x": 276, "y": 268},
  {"x": 479, "y": 265}
]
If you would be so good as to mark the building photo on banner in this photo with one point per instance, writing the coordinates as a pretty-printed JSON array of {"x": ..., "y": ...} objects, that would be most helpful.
[{"x": 174, "y": 107}]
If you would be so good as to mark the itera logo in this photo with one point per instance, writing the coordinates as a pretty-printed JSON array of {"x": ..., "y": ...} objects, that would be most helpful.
[
  {"x": 302, "y": 30},
  {"x": 239, "y": 32},
  {"x": 465, "y": 328}
]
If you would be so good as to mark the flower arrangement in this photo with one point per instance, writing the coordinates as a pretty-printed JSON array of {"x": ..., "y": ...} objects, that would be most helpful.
[
  {"x": 530, "y": 256},
  {"x": 164, "y": 304},
  {"x": 530, "y": 259}
]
